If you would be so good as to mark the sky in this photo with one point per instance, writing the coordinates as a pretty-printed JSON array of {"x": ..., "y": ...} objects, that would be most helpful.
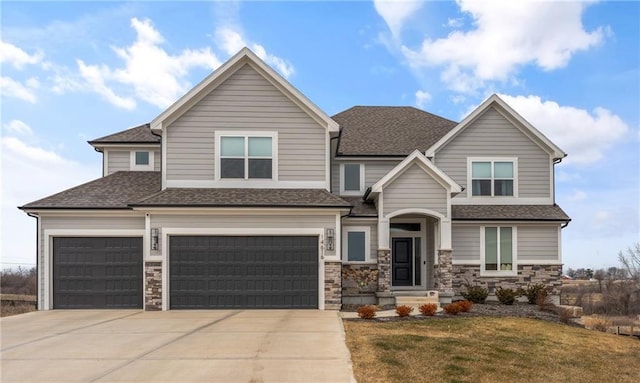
[{"x": 75, "y": 71}]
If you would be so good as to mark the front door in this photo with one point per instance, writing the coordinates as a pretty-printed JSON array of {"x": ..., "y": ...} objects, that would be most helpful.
[{"x": 402, "y": 261}]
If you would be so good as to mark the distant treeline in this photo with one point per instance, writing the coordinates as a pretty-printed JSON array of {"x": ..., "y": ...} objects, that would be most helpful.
[{"x": 20, "y": 281}]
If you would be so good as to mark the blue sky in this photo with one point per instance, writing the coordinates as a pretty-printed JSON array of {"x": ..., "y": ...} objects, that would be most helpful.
[{"x": 76, "y": 71}]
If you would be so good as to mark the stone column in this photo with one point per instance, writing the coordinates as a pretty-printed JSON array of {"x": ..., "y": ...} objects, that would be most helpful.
[
  {"x": 445, "y": 270},
  {"x": 384, "y": 270},
  {"x": 385, "y": 297},
  {"x": 332, "y": 285},
  {"x": 153, "y": 286}
]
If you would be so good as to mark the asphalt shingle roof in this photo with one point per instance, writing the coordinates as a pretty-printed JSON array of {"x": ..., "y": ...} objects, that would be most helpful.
[
  {"x": 114, "y": 191},
  {"x": 137, "y": 135},
  {"x": 206, "y": 197},
  {"x": 361, "y": 208},
  {"x": 509, "y": 212},
  {"x": 388, "y": 130}
]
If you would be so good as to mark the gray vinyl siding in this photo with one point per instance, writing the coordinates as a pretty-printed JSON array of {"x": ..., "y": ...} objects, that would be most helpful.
[
  {"x": 373, "y": 172},
  {"x": 373, "y": 236},
  {"x": 93, "y": 223},
  {"x": 246, "y": 102},
  {"x": 414, "y": 188},
  {"x": 118, "y": 161},
  {"x": 492, "y": 135},
  {"x": 157, "y": 164},
  {"x": 465, "y": 240},
  {"x": 537, "y": 243},
  {"x": 243, "y": 221}
]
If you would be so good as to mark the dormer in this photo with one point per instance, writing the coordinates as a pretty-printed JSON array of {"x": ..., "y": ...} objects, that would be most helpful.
[{"x": 134, "y": 149}]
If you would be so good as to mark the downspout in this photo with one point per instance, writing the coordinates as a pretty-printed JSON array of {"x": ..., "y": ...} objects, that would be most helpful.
[
  {"x": 331, "y": 160},
  {"x": 37, "y": 259},
  {"x": 161, "y": 143}
]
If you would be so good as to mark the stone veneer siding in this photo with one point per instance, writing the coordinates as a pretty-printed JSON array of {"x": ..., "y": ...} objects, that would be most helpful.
[
  {"x": 153, "y": 286},
  {"x": 550, "y": 275},
  {"x": 444, "y": 273},
  {"x": 359, "y": 279},
  {"x": 333, "y": 285},
  {"x": 384, "y": 270}
]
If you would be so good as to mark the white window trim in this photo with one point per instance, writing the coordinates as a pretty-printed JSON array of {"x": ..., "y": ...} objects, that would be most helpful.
[
  {"x": 246, "y": 134},
  {"x": 514, "y": 252},
  {"x": 148, "y": 167},
  {"x": 352, "y": 192},
  {"x": 367, "y": 244},
  {"x": 471, "y": 160}
]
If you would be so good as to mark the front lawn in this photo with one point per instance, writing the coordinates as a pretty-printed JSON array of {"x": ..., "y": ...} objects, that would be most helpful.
[{"x": 488, "y": 349}]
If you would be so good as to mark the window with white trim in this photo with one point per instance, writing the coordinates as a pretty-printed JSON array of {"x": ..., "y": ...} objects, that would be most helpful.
[
  {"x": 355, "y": 244},
  {"x": 498, "y": 250},
  {"x": 493, "y": 178},
  {"x": 246, "y": 156},
  {"x": 352, "y": 178},
  {"x": 142, "y": 160}
]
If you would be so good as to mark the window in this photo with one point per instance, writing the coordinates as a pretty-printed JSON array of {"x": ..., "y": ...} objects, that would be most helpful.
[
  {"x": 356, "y": 244},
  {"x": 246, "y": 157},
  {"x": 142, "y": 160},
  {"x": 352, "y": 179},
  {"x": 493, "y": 177},
  {"x": 498, "y": 253}
]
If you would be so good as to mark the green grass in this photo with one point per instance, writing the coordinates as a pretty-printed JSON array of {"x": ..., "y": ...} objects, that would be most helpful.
[{"x": 483, "y": 349}]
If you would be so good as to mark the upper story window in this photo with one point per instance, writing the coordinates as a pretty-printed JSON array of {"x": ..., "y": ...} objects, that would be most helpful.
[
  {"x": 498, "y": 251},
  {"x": 141, "y": 160},
  {"x": 246, "y": 156},
  {"x": 493, "y": 177},
  {"x": 351, "y": 179}
]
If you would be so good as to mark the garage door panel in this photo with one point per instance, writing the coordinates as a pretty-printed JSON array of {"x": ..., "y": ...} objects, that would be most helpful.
[
  {"x": 97, "y": 272},
  {"x": 243, "y": 272}
]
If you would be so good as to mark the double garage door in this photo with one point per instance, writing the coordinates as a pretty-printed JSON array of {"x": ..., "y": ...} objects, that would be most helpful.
[
  {"x": 243, "y": 272},
  {"x": 204, "y": 272}
]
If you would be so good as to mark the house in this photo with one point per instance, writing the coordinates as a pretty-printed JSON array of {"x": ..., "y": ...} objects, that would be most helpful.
[{"x": 244, "y": 194}]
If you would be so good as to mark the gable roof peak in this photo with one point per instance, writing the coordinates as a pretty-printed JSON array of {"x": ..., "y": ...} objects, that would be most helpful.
[
  {"x": 520, "y": 123},
  {"x": 219, "y": 75}
]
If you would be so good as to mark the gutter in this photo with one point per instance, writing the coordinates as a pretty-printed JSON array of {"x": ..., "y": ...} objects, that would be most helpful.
[{"x": 37, "y": 258}]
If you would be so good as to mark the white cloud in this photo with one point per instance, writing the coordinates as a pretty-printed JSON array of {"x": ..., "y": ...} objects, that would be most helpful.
[
  {"x": 395, "y": 13},
  {"x": 15, "y": 56},
  {"x": 422, "y": 98},
  {"x": 95, "y": 79},
  {"x": 150, "y": 73},
  {"x": 22, "y": 163},
  {"x": 584, "y": 135},
  {"x": 18, "y": 127},
  {"x": 231, "y": 41},
  {"x": 578, "y": 195},
  {"x": 506, "y": 36},
  {"x": 15, "y": 89},
  {"x": 454, "y": 22}
]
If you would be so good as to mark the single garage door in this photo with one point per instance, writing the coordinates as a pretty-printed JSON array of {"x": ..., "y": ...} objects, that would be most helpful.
[
  {"x": 97, "y": 272},
  {"x": 243, "y": 272}
]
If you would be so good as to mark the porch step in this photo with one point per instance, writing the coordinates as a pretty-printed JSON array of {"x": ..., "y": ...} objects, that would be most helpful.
[{"x": 416, "y": 299}]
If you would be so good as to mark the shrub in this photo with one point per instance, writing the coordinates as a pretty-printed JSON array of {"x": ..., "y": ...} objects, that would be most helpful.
[
  {"x": 532, "y": 292},
  {"x": 367, "y": 312},
  {"x": 475, "y": 294},
  {"x": 452, "y": 308},
  {"x": 506, "y": 296},
  {"x": 465, "y": 306},
  {"x": 404, "y": 311},
  {"x": 597, "y": 323},
  {"x": 428, "y": 309}
]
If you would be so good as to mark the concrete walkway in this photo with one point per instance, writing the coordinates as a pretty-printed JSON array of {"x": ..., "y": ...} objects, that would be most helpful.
[{"x": 175, "y": 346}]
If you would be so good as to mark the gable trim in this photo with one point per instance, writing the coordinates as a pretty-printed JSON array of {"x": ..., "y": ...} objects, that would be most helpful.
[
  {"x": 419, "y": 159},
  {"x": 244, "y": 56},
  {"x": 512, "y": 116}
]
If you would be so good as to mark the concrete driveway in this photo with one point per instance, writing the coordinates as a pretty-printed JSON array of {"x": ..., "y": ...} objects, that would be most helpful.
[{"x": 175, "y": 346}]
